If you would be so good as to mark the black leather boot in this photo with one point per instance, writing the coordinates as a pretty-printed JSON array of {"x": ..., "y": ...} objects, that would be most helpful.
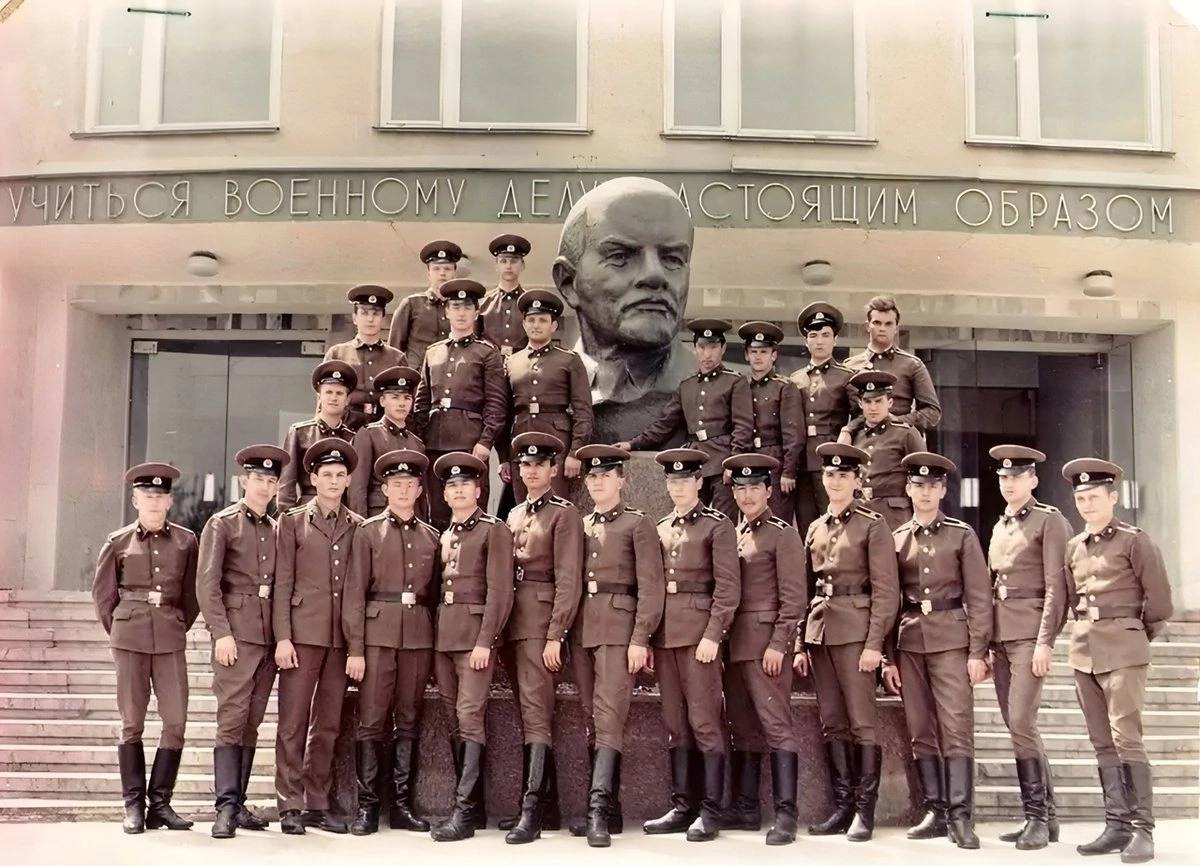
[
  {"x": 462, "y": 821},
  {"x": 683, "y": 809},
  {"x": 931, "y": 774},
  {"x": 247, "y": 820},
  {"x": 1140, "y": 788},
  {"x": 551, "y": 813},
  {"x": 131, "y": 758},
  {"x": 840, "y": 758},
  {"x": 783, "y": 788},
  {"x": 290, "y": 823},
  {"x": 366, "y": 771},
  {"x": 533, "y": 799},
  {"x": 744, "y": 812},
  {"x": 1117, "y": 829},
  {"x": 1051, "y": 808},
  {"x": 323, "y": 819},
  {"x": 402, "y": 815},
  {"x": 707, "y": 825},
  {"x": 511, "y": 821},
  {"x": 606, "y": 771},
  {"x": 159, "y": 813},
  {"x": 960, "y": 802},
  {"x": 869, "y": 760},
  {"x": 616, "y": 821},
  {"x": 1036, "y": 832},
  {"x": 227, "y": 780}
]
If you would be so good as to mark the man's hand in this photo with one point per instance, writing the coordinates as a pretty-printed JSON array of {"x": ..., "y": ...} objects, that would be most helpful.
[
  {"x": 481, "y": 452},
  {"x": 800, "y": 663},
  {"x": 869, "y": 660},
  {"x": 787, "y": 485},
  {"x": 356, "y": 667},
  {"x": 639, "y": 658},
  {"x": 624, "y": 446},
  {"x": 480, "y": 656},
  {"x": 225, "y": 651},
  {"x": 977, "y": 670},
  {"x": 845, "y": 438},
  {"x": 727, "y": 476},
  {"x": 552, "y": 655},
  {"x": 772, "y": 662},
  {"x": 285, "y": 656},
  {"x": 1041, "y": 660},
  {"x": 891, "y": 678},
  {"x": 572, "y": 467},
  {"x": 650, "y": 659},
  {"x": 706, "y": 650},
  {"x": 506, "y": 472}
]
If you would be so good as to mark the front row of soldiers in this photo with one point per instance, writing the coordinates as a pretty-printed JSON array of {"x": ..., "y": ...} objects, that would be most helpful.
[{"x": 322, "y": 594}]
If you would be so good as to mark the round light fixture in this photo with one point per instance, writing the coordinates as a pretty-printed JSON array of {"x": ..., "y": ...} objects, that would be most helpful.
[
  {"x": 818, "y": 272},
  {"x": 1099, "y": 284},
  {"x": 202, "y": 263}
]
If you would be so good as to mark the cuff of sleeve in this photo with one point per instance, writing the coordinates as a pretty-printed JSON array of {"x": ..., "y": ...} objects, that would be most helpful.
[
  {"x": 979, "y": 655},
  {"x": 714, "y": 633},
  {"x": 642, "y": 640},
  {"x": 874, "y": 646},
  {"x": 778, "y": 645},
  {"x": 218, "y": 633},
  {"x": 356, "y": 649}
]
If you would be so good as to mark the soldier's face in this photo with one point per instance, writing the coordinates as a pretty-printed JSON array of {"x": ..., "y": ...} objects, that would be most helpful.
[
  {"x": 259, "y": 488},
  {"x": 461, "y": 315},
  {"x": 540, "y": 327},
  {"x": 509, "y": 267},
  {"x": 684, "y": 490},
  {"x": 538, "y": 475},
  {"x": 761, "y": 359},
  {"x": 708, "y": 355},
  {"x": 330, "y": 480},
  {"x": 1097, "y": 505},
  {"x": 368, "y": 321},
  {"x": 461, "y": 493},
  {"x": 1016, "y": 489},
  {"x": 926, "y": 495},
  {"x": 840, "y": 484},
  {"x": 396, "y": 406},
  {"x": 152, "y": 506},
  {"x": 333, "y": 399},
  {"x": 605, "y": 487},
  {"x": 402, "y": 492},
  {"x": 751, "y": 499},
  {"x": 882, "y": 327},
  {"x": 820, "y": 343},
  {"x": 441, "y": 272},
  {"x": 875, "y": 409}
]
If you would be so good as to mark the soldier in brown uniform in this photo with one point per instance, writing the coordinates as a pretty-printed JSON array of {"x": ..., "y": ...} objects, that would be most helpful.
[
  {"x": 1029, "y": 584},
  {"x": 145, "y": 594},
  {"x": 916, "y": 400},
  {"x": 945, "y": 628},
  {"x": 548, "y": 554},
  {"x": 311, "y": 566},
  {"x": 700, "y": 558},
  {"x": 333, "y": 381},
  {"x": 886, "y": 439},
  {"x": 621, "y": 608},
  {"x": 550, "y": 392},
  {"x": 233, "y": 586},
  {"x": 367, "y": 353},
  {"x": 778, "y": 423},
  {"x": 1120, "y": 599},
  {"x": 851, "y": 566},
  {"x": 714, "y": 409},
  {"x": 758, "y": 677},
  {"x": 396, "y": 387},
  {"x": 499, "y": 315},
  {"x": 462, "y": 398},
  {"x": 420, "y": 320},
  {"x": 387, "y": 618},
  {"x": 477, "y": 597}
]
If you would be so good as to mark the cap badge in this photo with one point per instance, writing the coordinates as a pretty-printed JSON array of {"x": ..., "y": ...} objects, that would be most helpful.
[
  {"x": 337, "y": 374},
  {"x": 745, "y": 470},
  {"x": 924, "y": 470},
  {"x": 532, "y": 449},
  {"x": 536, "y": 304},
  {"x": 678, "y": 466},
  {"x": 1083, "y": 476},
  {"x": 759, "y": 337},
  {"x": 707, "y": 332},
  {"x": 595, "y": 461},
  {"x": 455, "y": 470},
  {"x": 462, "y": 293},
  {"x": 402, "y": 467},
  {"x": 510, "y": 248},
  {"x": 157, "y": 480},
  {"x": 837, "y": 460},
  {"x": 372, "y": 299},
  {"x": 1007, "y": 463},
  {"x": 335, "y": 453},
  {"x": 441, "y": 254},
  {"x": 819, "y": 317},
  {"x": 870, "y": 386},
  {"x": 268, "y": 463}
]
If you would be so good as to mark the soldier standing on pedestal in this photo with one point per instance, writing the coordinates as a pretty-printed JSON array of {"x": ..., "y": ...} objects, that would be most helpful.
[
  {"x": 916, "y": 401},
  {"x": 420, "y": 320},
  {"x": 499, "y": 315},
  {"x": 366, "y": 353}
]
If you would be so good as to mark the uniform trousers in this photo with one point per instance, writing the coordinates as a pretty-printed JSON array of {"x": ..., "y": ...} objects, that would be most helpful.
[
  {"x": 895, "y": 515},
  {"x": 719, "y": 495},
  {"x": 167, "y": 672},
  {"x": 1019, "y": 693},
  {"x": 605, "y": 692},
  {"x": 533, "y": 687},
  {"x": 938, "y": 703},
  {"x": 690, "y": 694},
  {"x": 845, "y": 695},
  {"x": 242, "y": 691},
  {"x": 759, "y": 707},
  {"x": 439, "y": 511},
  {"x": 465, "y": 692},
  {"x": 310, "y": 715},
  {"x": 392, "y": 692},
  {"x": 810, "y": 498},
  {"x": 1112, "y": 708}
]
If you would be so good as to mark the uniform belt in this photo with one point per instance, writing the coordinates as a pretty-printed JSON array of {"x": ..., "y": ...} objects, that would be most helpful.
[
  {"x": 544, "y": 408},
  {"x": 763, "y": 442},
  {"x": 676, "y": 586},
  {"x": 719, "y": 439},
  {"x": 1005, "y": 592},
  {"x": 770, "y": 608},
  {"x": 409, "y": 598},
  {"x": 150, "y": 596},
  {"x": 826, "y": 589},
  {"x": 438, "y": 405},
  {"x": 929, "y": 605},
  {"x": 595, "y": 586},
  {"x": 263, "y": 591},
  {"x": 450, "y": 597},
  {"x": 1092, "y": 613},
  {"x": 533, "y": 576}
]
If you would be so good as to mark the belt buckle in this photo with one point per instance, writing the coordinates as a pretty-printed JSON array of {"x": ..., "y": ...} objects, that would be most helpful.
[
  {"x": 368, "y": 408},
  {"x": 506, "y": 350},
  {"x": 593, "y": 587},
  {"x": 534, "y": 408},
  {"x": 264, "y": 591},
  {"x": 520, "y": 572},
  {"x": 672, "y": 587},
  {"x": 926, "y": 607},
  {"x": 758, "y": 442},
  {"x": 448, "y": 597},
  {"x": 444, "y": 403},
  {"x": 701, "y": 435},
  {"x": 1093, "y": 614},
  {"x": 812, "y": 429},
  {"x": 868, "y": 493},
  {"x": 409, "y": 598},
  {"x": 154, "y": 597},
  {"x": 827, "y": 589},
  {"x": 1002, "y": 591}
]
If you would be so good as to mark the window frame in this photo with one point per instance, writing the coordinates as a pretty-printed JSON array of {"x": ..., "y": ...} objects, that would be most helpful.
[
  {"x": 731, "y": 86},
  {"x": 450, "y": 78}
]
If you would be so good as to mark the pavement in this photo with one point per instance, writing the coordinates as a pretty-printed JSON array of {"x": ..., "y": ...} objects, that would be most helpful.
[{"x": 82, "y": 844}]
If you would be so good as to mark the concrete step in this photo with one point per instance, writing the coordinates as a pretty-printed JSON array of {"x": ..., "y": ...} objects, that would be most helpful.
[
  {"x": 1183, "y": 651},
  {"x": 106, "y": 732},
  {"x": 1082, "y": 771},
  {"x": 1082, "y": 802},
  {"x": 31, "y": 809},
  {"x": 1056, "y": 695},
  {"x": 21, "y": 705},
  {"x": 87, "y": 657},
  {"x": 66, "y": 681},
  {"x": 1184, "y": 723},
  {"x": 1160, "y": 675},
  {"x": 100, "y": 785},
  {"x": 993, "y": 744},
  {"x": 77, "y": 637},
  {"x": 50, "y": 758},
  {"x": 44, "y": 596}
]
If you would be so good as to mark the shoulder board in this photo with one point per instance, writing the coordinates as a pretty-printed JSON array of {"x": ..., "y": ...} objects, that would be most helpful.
[
  {"x": 559, "y": 348},
  {"x": 709, "y": 511},
  {"x": 229, "y": 511},
  {"x": 354, "y": 516},
  {"x": 297, "y": 509},
  {"x": 559, "y": 501},
  {"x": 376, "y": 519},
  {"x": 1049, "y": 509},
  {"x": 840, "y": 365},
  {"x": 731, "y": 373},
  {"x": 867, "y": 513},
  {"x": 488, "y": 518},
  {"x": 903, "y": 527},
  {"x": 1130, "y": 528},
  {"x": 896, "y": 422},
  {"x": 311, "y": 422},
  {"x": 665, "y": 519},
  {"x": 900, "y": 351},
  {"x": 637, "y": 511},
  {"x": 954, "y": 521},
  {"x": 487, "y": 343},
  {"x": 432, "y": 529},
  {"x": 1077, "y": 537},
  {"x": 117, "y": 533},
  {"x": 779, "y": 523},
  {"x": 182, "y": 528}
]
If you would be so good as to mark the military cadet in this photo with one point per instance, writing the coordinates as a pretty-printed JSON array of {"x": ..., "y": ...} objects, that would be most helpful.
[
  {"x": 550, "y": 391},
  {"x": 462, "y": 398},
  {"x": 622, "y": 607},
  {"x": 387, "y": 619},
  {"x": 758, "y": 678},
  {"x": 145, "y": 594},
  {"x": 851, "y": 566},
  {"x": 499, "y": 314},
  {"x": 825, "y": 404},
  {"x": 396, "y": 387},
  {"x": 233, "y": 584},
  {"x": 945, "y": 628},
  {"x": 367, "y": 353},
  {"x": 700, "y": 558},
  {"x": 1120, "y": 600},
  {"x": 420, "y": 320},
  {"x": 886, "y": 439},
  {"x": 1029, "y": 586},
  {"x": 333, "y": 381},
  {"x": 311, "y": 565},
  {"x": 778, "y": 423},
  {"x": 548, "y": 554},
  {"x": 477, "y": 597},
  {"x": 725, "y": 427},
  {"x": 916, "y": 400}
]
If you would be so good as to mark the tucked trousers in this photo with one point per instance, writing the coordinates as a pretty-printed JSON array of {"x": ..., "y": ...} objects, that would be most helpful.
[
  {"x": 719, "y": 495},
  {"x": 1112, "y": 708},
  {"x": 810, "y": 498},
  {"x": 690, "y": 694},
  {"x": 465, "y": 692},
  {"x": 533, "y": 687},
  {"x": 605, "y": 692},
  {"x": 392, "y": 691},
  {"x": 310, "y": 715},
  {"x": 167, "y": 673},
  {"x": 242, "y": 691},
  {"x": 439, "y": 511},
  {"x": 845, "y": 695},
  {"x": 894, "y": 515},
  {"x": 938, "y": 703},
  {"x": 1019, "y": 693},
  {"x": 759, "y": 707}
]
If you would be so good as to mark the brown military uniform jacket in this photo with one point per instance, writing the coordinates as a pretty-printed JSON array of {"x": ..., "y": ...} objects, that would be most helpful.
[
  {"x": 1026, "y": 556},
  {"x": 500, "y": 322},
  {"x": 418, "y": 323},
  {"x": 1119, "y": 576},
  {"x": 294, "y": 486},
  {"x": 620, "y": 547},
  {"x": 887, "y": 444},
  {"x": 852, "y": 568},
  {"x": 391, "y": 589},
  {"x": 236, "y": 574},
  {"x": 462, "y": 398},
  {"x": 825, "y": 404},
  {"x": 778, "y": 428},
  {"x": 477, "y": 583},
  {"x": 717, "y": 411},
  {"x": 133, "y": 563},
  {"x": 371, "y": 443},
  {"x": 367, "y": 359},
  {"x": 550, "y": 394},
  {"x": 773, "y": 595},
  {"x": 311, "y": 569},
  {"x": 915, "y": 400},
  {"x": 703, "y": 577},
  {"x": 548, "y": 555}
]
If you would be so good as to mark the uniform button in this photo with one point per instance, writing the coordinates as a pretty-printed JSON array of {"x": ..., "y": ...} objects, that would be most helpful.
[
  {"x": 335, "y": 547},
  {"x": 591, "y": 574},
  {"x": 408, "y": 545},
  {"x": 595, "y": 554},
  {"x": 927, "y": 571},
  {"x": 264, "y": 557},
  {"x": 674, "y": 553},
  {"x": 535, "y": 381},
  {"x": 701, "y": 393},
  {"x": 335, "y": 595},
  {"x": 671, "y": 571},
  {"x": 156, "y": 568},
  {"x": 927, "y": 591},
  {"x": 159, "y": 587},
  {"x": 449, "y": 582},
  {"x": 335, "y": 577},
  {"x": 262, "y": 539},
  {"x": 1092, "y": 597}
]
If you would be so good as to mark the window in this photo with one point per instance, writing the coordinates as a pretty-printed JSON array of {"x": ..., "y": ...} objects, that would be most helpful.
[
  {"x": 766, "y": 69},
  {"x": 196, "y": 66},
  {"x": 1064, "y": 73},
  {"x": 485, "y": 64}
]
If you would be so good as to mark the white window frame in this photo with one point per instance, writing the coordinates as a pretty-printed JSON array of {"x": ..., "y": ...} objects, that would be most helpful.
[
  {"x": 731, "y": 85},
  {"x": 450, "y": 78},
  {"x": 1029, "y": 115},
  {"x": 153, "y": 58}
]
